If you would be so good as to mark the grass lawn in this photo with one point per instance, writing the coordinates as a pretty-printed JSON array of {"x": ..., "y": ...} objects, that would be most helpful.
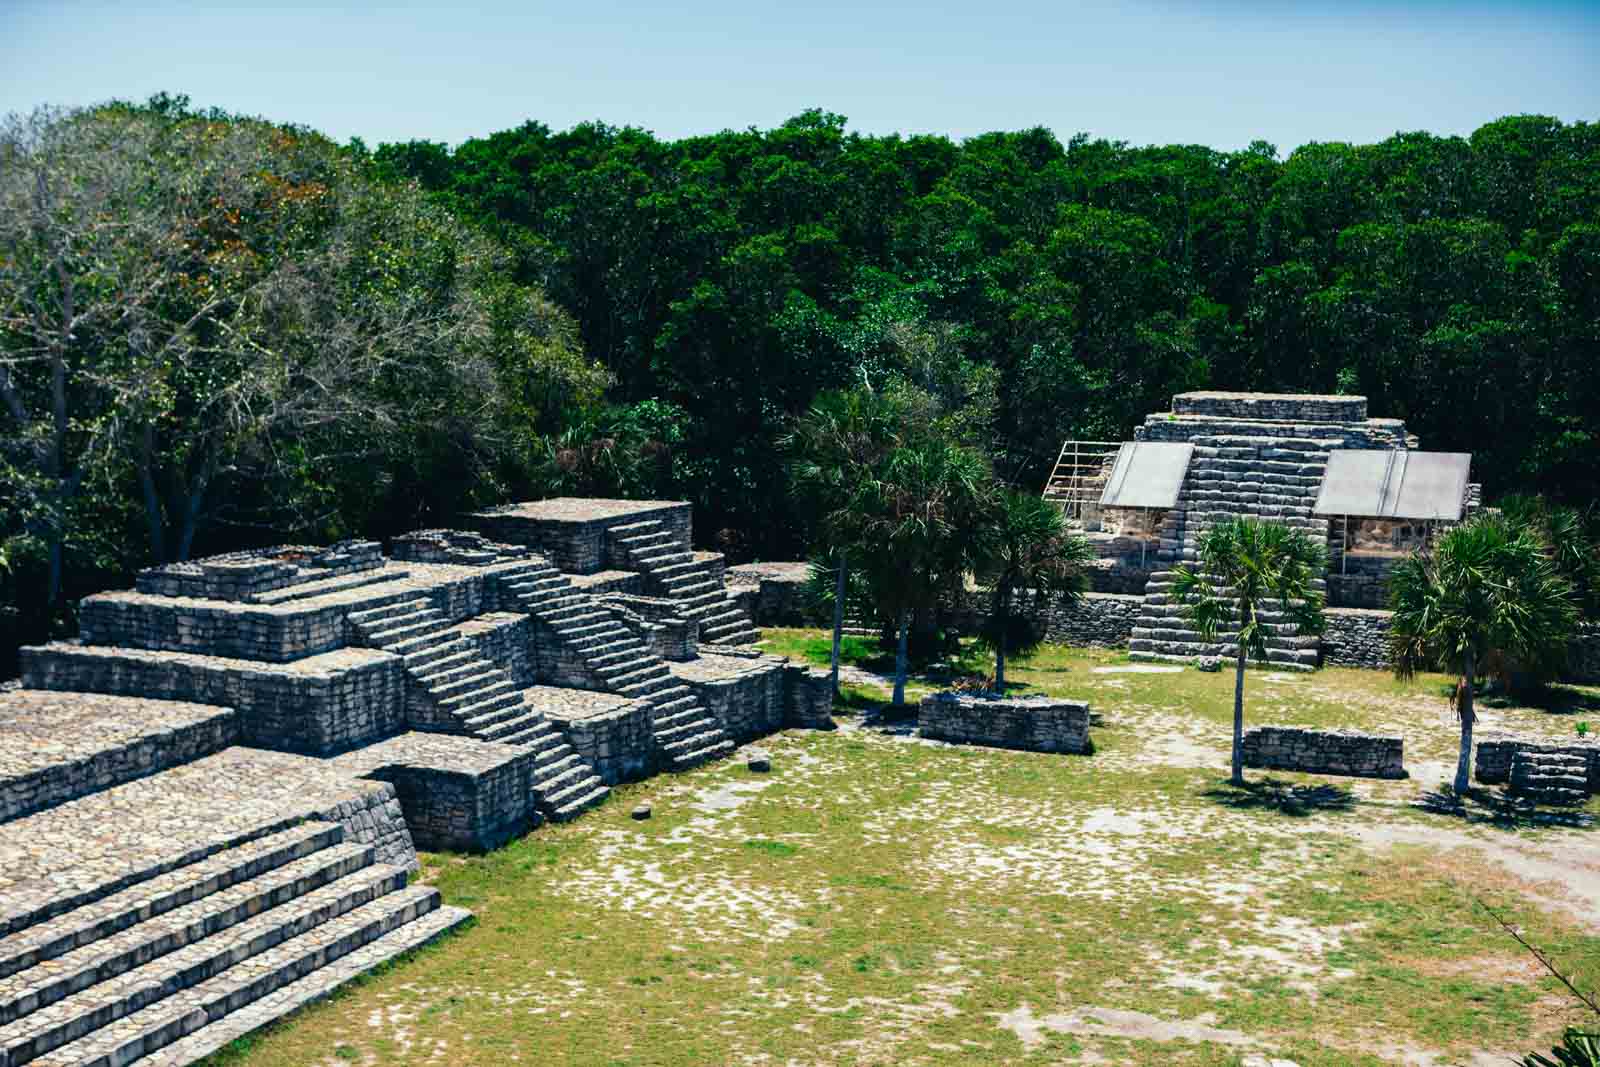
[{"x": 878, "y": 899}]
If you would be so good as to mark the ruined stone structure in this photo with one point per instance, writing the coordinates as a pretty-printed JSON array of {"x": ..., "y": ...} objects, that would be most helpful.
[
  {"x": 1262, "y": 455},
  {"x": 211, "y": 802},
  {"x": 1033, "y": 724},
  {"x": 1292, "y": 748}
]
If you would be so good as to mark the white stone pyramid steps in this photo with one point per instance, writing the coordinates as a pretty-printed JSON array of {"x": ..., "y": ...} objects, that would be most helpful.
[
  {"x": 46, "y": 938},
  {"x": 315, "y": 986}
]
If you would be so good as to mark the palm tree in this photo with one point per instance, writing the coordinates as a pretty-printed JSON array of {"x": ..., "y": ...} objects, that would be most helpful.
[
  {"x": 1248, "y": 566},
  {"x": 837, "y": 446},
  {"x": 1486, "y": 599},
  {"x": 1027, "y": 546},
  {"x": 920, "y": 530}
]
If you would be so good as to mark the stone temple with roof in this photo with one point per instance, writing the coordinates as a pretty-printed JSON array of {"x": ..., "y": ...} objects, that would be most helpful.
[{"x": 211, "y": 802}]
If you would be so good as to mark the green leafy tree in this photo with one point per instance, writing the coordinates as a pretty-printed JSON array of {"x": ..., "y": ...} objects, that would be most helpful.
[
  {"x": 1027, "y": 546},
  {"x": 1250, "y": 568},
  {"x": 1485, "y": 599}
]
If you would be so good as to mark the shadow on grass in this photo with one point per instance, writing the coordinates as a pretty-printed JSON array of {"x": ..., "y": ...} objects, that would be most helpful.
[
  {"x": 1495, "y": 807},
  {"x": 1273, "y": 794},
  {"x": 1555, "y": 699}
]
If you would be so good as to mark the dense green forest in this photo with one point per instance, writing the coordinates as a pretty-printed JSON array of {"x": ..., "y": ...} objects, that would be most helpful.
[
  {"x": 218, "y": 331},
  {"x": 725, "y": 279}
]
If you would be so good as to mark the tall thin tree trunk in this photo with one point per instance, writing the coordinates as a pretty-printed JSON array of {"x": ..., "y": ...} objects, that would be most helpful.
[
  {"x": 838, "y": 620},
  {"x": 1465, "y": 710},
  {"x": 900, "y": 658},
  {"x": 1002, "y": 621},
  {"x": 1238, "y": 719}
]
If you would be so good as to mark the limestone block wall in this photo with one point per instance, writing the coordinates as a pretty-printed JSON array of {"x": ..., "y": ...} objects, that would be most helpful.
[
  {"x": 748, "y": 704},
  {"x": 374, "y": 817},
  {"x": 1360, "y": 581},
  {"x": 1492, "y": 764},
  {"x": 654, "y": 620},
  {"x": 1276, "y": 407},
  {"x": 773, "y": 594},
  {"x": 506, "y": 640},
  {"x": 1356, "y": 637},
  {"x": 317, "y": 707},
  {"x": 619, "y": 743},
  {"x": 1583, "y": 656},
  {"x": 457, "y": 794},
  {"x": 573, "y": 533},
  {"x": 1034, "y": 724},
  {"x": 213, "y": 628},
  {"x": 1097, "y": 620},
  {"x": 808, "y": 697},
  {"x": 1291, "y": 748}
]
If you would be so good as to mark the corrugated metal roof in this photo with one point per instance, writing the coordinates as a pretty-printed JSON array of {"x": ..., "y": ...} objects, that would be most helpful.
[
  {"x": 1394, "y": 484},
  {"x": 1147, "y": 474}
]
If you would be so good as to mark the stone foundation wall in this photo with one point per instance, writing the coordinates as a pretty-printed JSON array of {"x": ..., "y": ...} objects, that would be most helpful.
[
  {"x": 1492, "y": 763},
  {"x": 574, "y": 534},
  {"x": 506, "y": 640},
  {"x": 1097, "y": 620},
  {"x": 1290, "y": 748},
  {"x": 1356, "y": 637},
  {"x": 1276, "y": 407},
  {"x": 1360, "y": 581},
  {"x": 475, "y": 806},
  {"x": 748, "y": 705},
  {"x": 212, "y": 628},
  {"x": 315, "y": 708},
  {"x": 1034, "y": 724},
  {"x": 620, "y": 743},
  {"x": 808, "y": 697},
  {"x": 376, "y": 818},
  {"x": 1583, "y": 657}
]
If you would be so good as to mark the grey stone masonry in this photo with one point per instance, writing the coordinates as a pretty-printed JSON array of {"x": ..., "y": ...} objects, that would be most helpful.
[
  {"x": 1357, "y": 637},
  {"x": 654, "y": 620},
  {"x": 808, "y": 697},
  {"x": 694, "y": 580},
  {"x": 456, "y": 793},
  {"x": 1496, "y": 754},
  {"x": 318, "y": 706},
  {"x": 1292, "y": 748},
  {"x": 1273, "y": 407},
  {"x": 56, "y": 747},
  {"x": 252, "y": 574},
  {"x": 773, "y": 593},
  {"x": 1549, "y": 777},
  {"x": 745, "y": 694},
  {"x": 614, "y": 734},
  {"x": 571, "y": 532},
  {"x": 1034, "y": 724}
]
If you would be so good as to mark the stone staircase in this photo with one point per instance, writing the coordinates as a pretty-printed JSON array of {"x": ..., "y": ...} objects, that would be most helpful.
[
  {"x": 174, "y": 966},
  {"x": 1272, "y": 478},
  {"x": 470, "y": 695},
  {"x": 613, "y": 660},
  {"x": 1550, "y": 778},
  {"x": 672, "y": 571}
]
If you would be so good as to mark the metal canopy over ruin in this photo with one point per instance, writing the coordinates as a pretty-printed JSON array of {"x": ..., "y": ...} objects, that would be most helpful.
[
  {"x": 1147, "y": 474},
  {"x": 1394, "y": 484}
]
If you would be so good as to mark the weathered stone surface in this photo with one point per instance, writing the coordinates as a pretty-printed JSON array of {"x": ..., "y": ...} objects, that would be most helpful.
[
  {"x": 744, "y": 694},
  {"x": 455, "y": 792},
  {"x": 611, "y": 732},
  {"x": 758, "y": 760},
  {"x": 1292, "y": 748},
  {"x": 572, "y": 530},
  {"x": 56, "y": 747},
  {"x": 1357, "y": 637},
  {"x": 1495, "y": 754},
  {"x": 1278, "y": 407},
  {"x": 1035, "y": 724},
  {"x": 640, "y": 812}
]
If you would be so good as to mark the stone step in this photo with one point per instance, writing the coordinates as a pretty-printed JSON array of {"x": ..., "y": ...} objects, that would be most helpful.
[
  {"x": 692, "y": 752},
  {"x": 608, "y": 625},
  {"x": 620, "y": 676},
  {"x": 476, "y": 704},
  {"x": 1286, "y": 637},
  {"x": 1162, "y": 657},
  {"x": 197, "y": 964},
  {"x": 1307, "y": 658},
  {"x": 438, "y": 653},
  {"x": 615, "y": 651},
  {"x": 374, "y": 616},
  {"x": 323, "y": 586},
  {"x": 314, "y": 987},
  {"x": 103, "y": 959},
  {"x": 170, "y": 1017},
  {"x": 405, "y": 627},
  {"x": 423, "y": 642},
  {"x": 484, "y": 676},
  {"x": 649, "y": 687},
  {"x": 579, "y": 800},
  {"x": 447, "y": 669},
  {"x": 492, "y": 722},
  {"x": 621, "y": 655},
  {"x": 691, "y": 587},
  {"x": 126, "y": 906}
]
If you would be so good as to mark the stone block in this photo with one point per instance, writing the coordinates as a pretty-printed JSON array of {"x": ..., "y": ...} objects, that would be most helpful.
[{"x": 1033, "y": 724}]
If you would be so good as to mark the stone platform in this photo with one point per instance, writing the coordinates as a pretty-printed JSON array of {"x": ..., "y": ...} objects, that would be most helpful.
[
  {"x": 56, "y": 747},
  {"x": 611, "y": 732},
  {"x": 1033, "y": 724},
  {"x": 1342, "y": 752}
]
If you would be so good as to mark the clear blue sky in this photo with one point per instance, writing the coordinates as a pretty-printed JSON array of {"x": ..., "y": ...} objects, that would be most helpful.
[{"x": 1219, "y": 73}]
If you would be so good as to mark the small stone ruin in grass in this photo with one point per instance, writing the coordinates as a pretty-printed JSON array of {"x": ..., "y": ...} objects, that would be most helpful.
[{"x": 1030, "y": 723}]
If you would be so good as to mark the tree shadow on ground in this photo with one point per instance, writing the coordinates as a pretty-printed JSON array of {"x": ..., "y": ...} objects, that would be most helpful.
[
  {"x": 1274, "y": 794},
  {"x": 1555, "y": 699},
  {"x": 1496, "y": 807}
]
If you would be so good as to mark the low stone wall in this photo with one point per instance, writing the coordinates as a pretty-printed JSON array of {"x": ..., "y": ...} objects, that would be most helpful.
[
  {"x": 1276, "y": 407},
  {"x": 317, "y": 706},
  {"x": 1356, "y": 637},
  {"x": 745, "y": 694},
  {"x": 1360, "y": 581},
  {"x": 1097, "y": 620},
  {"x": 213, "y": 628},
  {"x": 612, "y": 733},
  {"x": 773, "y": 594},
  {"x": 374, "y": 817},
  {"x": 573, "y": 532},
  {"x": 1291, "y": 748},
  {"x": 808, "y": 697},
  {"x": 456, "y": 793},
  {"x": 504, "y": 639},
  {"x": 1492, "y": 762},
  {"x": 1034, "y": 724},
  {"x": 1583, "y": 657}
]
